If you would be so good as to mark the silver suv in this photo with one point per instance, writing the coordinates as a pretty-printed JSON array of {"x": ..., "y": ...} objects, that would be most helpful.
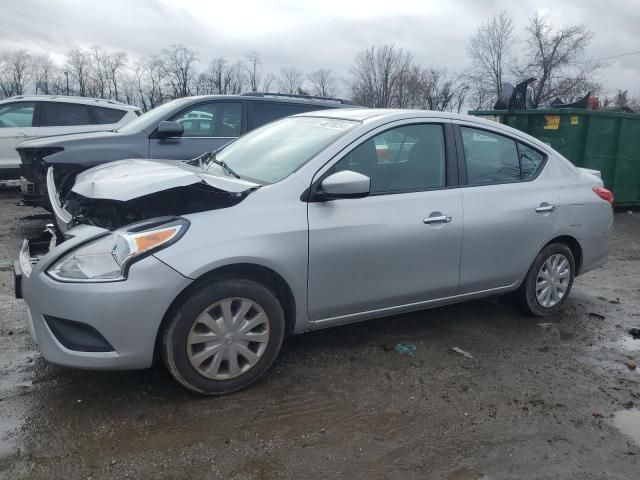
[
  {"x": 31, "y": 116},
  {"x": 308, "y": 222}
]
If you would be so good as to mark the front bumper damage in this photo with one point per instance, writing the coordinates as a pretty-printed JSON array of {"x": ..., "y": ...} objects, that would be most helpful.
[
  {"x": 63, "y": 217},
  {"x": 108, "y": 325}
]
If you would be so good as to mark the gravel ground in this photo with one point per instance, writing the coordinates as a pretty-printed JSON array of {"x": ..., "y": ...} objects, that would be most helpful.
[{"x": 548, "y": 398}]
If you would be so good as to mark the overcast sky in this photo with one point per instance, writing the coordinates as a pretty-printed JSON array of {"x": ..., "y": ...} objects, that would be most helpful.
[{"x": 311, "y": 35}]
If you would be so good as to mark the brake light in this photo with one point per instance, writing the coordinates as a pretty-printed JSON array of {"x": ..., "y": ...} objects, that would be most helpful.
[{"x": 605, "y": 194}]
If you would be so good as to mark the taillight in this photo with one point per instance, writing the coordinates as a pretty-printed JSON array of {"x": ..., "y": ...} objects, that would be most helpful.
[{"x": 605, "y": 194}]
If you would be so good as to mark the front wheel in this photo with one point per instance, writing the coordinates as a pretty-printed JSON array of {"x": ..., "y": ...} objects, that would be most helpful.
[
  {"x": 548, "y": 281},
  {"x": 224, "y": 336}
]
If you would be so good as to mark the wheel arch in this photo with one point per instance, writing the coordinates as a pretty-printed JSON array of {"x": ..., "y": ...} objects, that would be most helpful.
[
  {"x": 260, "y": 273},
  {"x": 573, "y": 245}
]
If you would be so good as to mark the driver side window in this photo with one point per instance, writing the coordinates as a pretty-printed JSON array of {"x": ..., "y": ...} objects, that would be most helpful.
[
  {"x": 403, "y": 159},
  {"x": 212, "y": 120}
]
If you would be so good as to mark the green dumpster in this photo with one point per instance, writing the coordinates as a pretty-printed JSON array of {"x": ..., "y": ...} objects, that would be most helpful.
[{"x": 604, "y": 141}]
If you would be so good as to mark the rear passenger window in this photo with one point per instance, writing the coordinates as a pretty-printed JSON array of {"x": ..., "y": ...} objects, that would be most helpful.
[
  {"x": 265, "y": 112},
  {"x": 530, "y": 160},
  {"x": 403, "y": 159},
  {"x": 490, "y": 158},
  {"x": 107, "y": 115},
  {"x": 65, "y": 114}
]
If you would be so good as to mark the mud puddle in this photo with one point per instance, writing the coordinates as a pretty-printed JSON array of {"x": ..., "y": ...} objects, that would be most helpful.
[
  {"x": 628, "y": 422},
  {"x": 466, "y": 473},
  {"x": 8, "y": 428},
  {"x": 627, "y": 344}
]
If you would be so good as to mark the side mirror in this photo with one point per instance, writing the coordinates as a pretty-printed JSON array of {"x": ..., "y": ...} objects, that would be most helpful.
[
  {"x": 170, "y": 129},
  {"x": 345, "y": 184}
]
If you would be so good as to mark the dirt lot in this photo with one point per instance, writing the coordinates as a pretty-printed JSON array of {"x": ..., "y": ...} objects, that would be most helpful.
[{"x": 546, "y": 398}]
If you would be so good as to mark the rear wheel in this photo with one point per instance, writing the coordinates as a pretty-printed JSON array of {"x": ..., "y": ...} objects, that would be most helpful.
[
  {"x": 548, "y": 281},
  {"x": 224, "y": 336}
]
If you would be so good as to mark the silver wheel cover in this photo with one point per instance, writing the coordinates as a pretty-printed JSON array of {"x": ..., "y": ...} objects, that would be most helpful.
[
  {"x": 228, "y": 338},
  {"x": 552, "y": 281}
]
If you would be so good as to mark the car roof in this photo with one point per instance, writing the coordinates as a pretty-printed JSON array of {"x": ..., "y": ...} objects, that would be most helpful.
[
  {"x": 362, "y": 114},
  {"x": 386, "y": 115},
  {"x": 72, "y": 99},
  {"x": 326, "y": 102}
]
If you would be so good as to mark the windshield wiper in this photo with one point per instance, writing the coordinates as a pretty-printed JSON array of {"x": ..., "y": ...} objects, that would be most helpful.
[
  {"x": 224, "y": 166},
  {"x": 204, "y": 160}
]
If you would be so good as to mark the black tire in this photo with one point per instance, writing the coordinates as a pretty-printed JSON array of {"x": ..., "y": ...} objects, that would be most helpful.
[
  {"x": 174, "y": 338},
  {"x": 527, "y": 291}
]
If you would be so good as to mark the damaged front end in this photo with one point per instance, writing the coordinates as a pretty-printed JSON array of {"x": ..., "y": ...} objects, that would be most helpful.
[
  {"x": 128, "y": 191},
  {"x": 113, "y": 214}
]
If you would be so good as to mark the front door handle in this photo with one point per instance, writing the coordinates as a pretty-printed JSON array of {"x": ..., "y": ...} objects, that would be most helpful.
[
  {"x": 546, "y": 208},
  {"x": 438, "y": 219}
]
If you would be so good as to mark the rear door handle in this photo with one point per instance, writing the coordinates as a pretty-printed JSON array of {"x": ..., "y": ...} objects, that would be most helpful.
[
  {"x": 438, "y": 219},
  {"x": 546, "y": 208}
]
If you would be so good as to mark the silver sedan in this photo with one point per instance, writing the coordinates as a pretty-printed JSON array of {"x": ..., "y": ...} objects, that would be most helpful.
[{"x": 311, "y": 221}]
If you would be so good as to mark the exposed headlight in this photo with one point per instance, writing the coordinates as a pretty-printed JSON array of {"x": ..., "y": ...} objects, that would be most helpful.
[{"x": 107, "y": 259}]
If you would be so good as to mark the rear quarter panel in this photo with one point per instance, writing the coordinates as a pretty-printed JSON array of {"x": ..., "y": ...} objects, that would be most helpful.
[{"x": 582, "y": 213}]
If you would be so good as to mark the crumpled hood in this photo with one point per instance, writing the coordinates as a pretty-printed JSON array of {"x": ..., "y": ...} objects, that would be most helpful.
[{"x": 125, "y": 180}]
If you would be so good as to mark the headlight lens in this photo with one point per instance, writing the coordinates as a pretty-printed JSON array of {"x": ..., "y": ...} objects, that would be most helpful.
[{"x": 107, "y": 259}]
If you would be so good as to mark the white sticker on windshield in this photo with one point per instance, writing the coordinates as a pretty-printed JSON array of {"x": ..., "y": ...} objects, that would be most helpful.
[{"x": 335, "y": 124}]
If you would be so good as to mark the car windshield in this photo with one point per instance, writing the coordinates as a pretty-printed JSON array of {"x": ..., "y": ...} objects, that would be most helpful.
[
  {"x": 272, "y": 152},
  {"x": 148, "y": 121}
]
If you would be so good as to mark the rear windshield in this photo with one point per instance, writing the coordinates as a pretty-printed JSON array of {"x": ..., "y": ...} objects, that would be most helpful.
[{"x": 273, "y": 152}]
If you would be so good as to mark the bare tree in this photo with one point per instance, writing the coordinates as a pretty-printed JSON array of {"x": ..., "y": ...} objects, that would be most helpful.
[
  {"x": 490, "y": 49},
  {"x": 149, "y": 74},
  {"x": 115, "y": 63},
  {"x": 557, "y": 60},
  {"x": 98, "y": 82},
  {"x": 79, "y": 68},
  {"x": 220, "y": 78},
  {"x": 267, "y": 82},
  {"x": 322, "y": 83},
  {"x": 251, "y": 67},
  {"x": 43, "y": 72},
  {"x": 290, "y": 80},
  {"x": 127, "y": 88},
  {"x": 377, "y": 75},
  {"x": 481, "y": 94},
  {"x": 14, "y": 72},
  {"x": 443, "y": 92},
  {"x": 410, "y": 88},
  {"x": 58, "y": 83},
  {"x": 178, "y": 65},
  {"x": 461, "y": 93}
]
